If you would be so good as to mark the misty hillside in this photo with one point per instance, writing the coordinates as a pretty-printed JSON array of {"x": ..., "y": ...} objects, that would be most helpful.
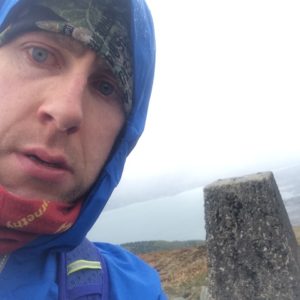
[
  {"x": 288, "y": 181},
  {"x": 162, "y": 186},
  {"x": 155, "y": 246}
]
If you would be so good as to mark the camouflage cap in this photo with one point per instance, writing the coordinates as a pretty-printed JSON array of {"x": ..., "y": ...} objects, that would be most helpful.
[{"x": 101, "y": 25}]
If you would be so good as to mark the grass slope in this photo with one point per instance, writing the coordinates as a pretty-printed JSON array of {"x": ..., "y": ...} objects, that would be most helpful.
[{"x": 183, "y": 271}]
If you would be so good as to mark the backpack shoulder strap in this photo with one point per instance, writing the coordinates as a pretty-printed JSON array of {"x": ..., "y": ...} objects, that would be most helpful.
[{"x": 82, "y": 274}]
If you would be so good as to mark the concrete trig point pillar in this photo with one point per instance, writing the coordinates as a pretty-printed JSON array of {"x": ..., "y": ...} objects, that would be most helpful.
[{"x": 252, "y": 250}]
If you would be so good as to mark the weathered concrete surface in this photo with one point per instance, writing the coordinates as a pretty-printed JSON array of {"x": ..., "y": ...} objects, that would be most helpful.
[{"x": 252, "y": 250}]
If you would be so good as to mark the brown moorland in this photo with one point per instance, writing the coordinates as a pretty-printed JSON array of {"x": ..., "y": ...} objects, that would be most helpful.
[{"x": 183, "y": 271}]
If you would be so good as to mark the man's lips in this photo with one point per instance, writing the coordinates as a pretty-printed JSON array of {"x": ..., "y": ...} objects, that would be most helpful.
[{"x": 48, "y": 159}]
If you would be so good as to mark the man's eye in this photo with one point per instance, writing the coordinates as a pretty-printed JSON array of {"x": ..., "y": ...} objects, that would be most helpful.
[
  {"x": 105, "y": 87},
  {"x": 40, "y": 55}
]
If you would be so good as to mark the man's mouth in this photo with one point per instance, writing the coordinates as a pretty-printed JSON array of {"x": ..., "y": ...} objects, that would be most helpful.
[
  {"x": 45, "y": 158},
  {"x": 43, "y": 164},
  {"x": 55, "y": 165}
]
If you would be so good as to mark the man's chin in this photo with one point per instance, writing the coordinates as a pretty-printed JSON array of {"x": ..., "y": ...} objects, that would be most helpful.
[{"x": 28, "y": 193}]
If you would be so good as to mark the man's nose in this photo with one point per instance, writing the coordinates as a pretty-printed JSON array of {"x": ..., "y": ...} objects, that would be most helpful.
[{"x": 62, "y": 105}]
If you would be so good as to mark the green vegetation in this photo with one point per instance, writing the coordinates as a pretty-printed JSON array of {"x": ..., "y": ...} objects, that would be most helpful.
[{"x": 154, "y": 246}]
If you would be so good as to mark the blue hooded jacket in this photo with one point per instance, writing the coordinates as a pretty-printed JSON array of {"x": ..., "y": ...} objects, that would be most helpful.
[{"x": 30, "y": 272}]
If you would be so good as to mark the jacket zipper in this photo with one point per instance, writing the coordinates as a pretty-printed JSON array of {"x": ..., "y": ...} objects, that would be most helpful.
[{"x": 3, "y": 261}]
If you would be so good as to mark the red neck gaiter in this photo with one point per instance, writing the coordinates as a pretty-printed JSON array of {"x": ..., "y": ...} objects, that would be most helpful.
[{"x": 23, "y": 220}]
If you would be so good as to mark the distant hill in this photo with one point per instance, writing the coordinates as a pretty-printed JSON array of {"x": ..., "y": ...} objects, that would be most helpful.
[
  {"x": 293, "y": 208},
  {"x": 155, "y": 246},
  {"x": 288, "y": 180}
]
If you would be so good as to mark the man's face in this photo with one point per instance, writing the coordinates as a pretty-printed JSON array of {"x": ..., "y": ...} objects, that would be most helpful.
[{"x": 60, "y": 114}]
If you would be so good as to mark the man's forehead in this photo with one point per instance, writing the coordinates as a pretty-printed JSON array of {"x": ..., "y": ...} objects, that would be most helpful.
[{"x": 66, "y": 42}]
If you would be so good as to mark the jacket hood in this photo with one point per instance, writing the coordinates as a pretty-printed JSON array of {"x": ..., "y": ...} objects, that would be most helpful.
[{"x": 143, "y": 61}]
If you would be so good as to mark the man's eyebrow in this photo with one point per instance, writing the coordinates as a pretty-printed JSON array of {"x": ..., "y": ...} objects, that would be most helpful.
[
  {"x": 77, "y": 48},
  {"x": 68, "y": 43}
]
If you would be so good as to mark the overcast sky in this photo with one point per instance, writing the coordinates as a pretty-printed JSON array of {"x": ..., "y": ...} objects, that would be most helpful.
[{"x": 226, "y": 92}]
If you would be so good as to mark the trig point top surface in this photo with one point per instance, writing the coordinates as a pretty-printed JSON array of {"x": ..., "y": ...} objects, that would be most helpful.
[{"x": 258, "y": 177}]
